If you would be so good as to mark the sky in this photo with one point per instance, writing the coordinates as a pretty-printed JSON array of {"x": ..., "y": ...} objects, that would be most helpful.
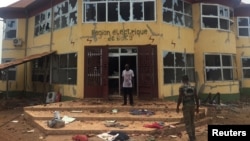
[{"x": 4, "y": 3}]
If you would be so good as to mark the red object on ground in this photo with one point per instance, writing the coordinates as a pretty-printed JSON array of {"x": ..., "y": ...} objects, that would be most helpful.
[
  {"x": 80, "y": 138},
  {"x": 153, "y": 125}
]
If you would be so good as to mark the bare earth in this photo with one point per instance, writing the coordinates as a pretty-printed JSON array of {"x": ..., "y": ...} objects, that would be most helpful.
[{"x": 14, "y": 127}]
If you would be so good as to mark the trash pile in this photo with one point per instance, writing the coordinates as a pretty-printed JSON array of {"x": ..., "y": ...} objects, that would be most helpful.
[{"x": 59, "y": 122}]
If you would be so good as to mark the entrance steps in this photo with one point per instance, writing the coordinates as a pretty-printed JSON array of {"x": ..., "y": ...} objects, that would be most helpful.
[{"x": 98, "y": 116}]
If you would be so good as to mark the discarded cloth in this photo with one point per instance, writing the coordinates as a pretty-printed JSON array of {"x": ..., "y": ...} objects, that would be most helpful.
[
  {"x": 153, "y": 125},
  {"x": 114, "y": 124},
  {"x": 56, "y": 123},
  {"x": 107, "y": 136},
  {"x": 80, "y": 138},
  {"x": 67, "y": 119},
  {"x": 141, "y": 112},
  {"x": 121, "y": 136},
  {"x": 114, "y": 136}
]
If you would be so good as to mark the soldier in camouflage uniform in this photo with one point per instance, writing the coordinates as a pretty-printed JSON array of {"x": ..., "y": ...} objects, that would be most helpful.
[{"x": 188, "y": 98}]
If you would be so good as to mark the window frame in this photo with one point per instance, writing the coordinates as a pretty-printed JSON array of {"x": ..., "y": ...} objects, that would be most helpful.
[
  {"x": 12, "y": 69},
  {"x": 7, "y": 28},
  {"x": 245, "y": 67},
  {"x": 47, "y": 20},
  {"x": 65, "y": 68},
  {"x": 58, "y": 17},
  {"x": 243, "y": 27},
  {"x": 220, "y": 67},
  {"x": 118, "y": 2},
  {"x": 184, "y": 14},
  {"x": 218, "y": 17},
  {"x": 184, "y": 66}
]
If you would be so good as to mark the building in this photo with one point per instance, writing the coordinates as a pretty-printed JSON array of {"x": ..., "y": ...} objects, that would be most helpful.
[{"x": 79, "y": 47}]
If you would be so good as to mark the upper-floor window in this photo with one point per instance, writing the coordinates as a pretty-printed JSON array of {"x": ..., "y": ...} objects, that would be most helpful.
[
  {"x": 118, "y": 10},
  {"x": 10, "y": 31},
  {"x": 220, "y": 67},
  {"x": 175, "y": 65},
  {"x": 43, "y": 22},
  {"x": 177, "y": 12},
  {"x": 65, "y": 14},
  {"x": 243, "y": 26},
  {"x": 245, "y": 67},
  {"x": 216, "y": 16}
]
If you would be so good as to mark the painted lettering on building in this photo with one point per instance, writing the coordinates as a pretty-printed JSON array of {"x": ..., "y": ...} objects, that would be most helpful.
[{"x": 119, "y": 35}]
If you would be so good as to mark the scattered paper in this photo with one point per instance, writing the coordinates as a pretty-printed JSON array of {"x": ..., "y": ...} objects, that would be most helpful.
[
  {"x": 171, "y": 126},
  {"x": 67, "y": 119},
  {"x": 31, "y": 131},
  {"x": 173, "y": 136},
  {"x": 74, "y": 111}
]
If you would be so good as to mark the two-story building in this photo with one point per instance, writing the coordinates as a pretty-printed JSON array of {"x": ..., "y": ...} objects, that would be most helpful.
[{"x": 79, "y": 47}]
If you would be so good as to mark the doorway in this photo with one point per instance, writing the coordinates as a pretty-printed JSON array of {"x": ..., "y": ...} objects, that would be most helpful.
[{"x": 117, "y": 59}]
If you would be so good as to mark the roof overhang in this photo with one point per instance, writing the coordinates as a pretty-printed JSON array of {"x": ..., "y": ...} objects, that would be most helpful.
[
  {"x": 242, "y": 10},
  {"x": 26, "y": 8},
  {"x": 24, "y": 60},
  {"x": 230, "y": 3}
]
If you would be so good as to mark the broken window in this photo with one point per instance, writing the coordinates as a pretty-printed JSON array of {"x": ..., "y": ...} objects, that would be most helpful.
[
  {"x": 176, "y": 65},
  {"x": 219, "y": 67},
  {"x": 243, "y": 26},
  {"x": 65, "y": 68},
  {"x": 113, "y": 11},
  {"x": 65, "y": 14},
  {"x": 118, "y": 10},
  {"x": 10, "y": 28},
  {"x": 43, "y": 23},
  {"x": 216, "y": 16},
  {"x": 124, "y": 11},
  {"x": 245, "y": 67},
  {"x": 9, "y": 73},
  {"x": 177, "y": 12}
]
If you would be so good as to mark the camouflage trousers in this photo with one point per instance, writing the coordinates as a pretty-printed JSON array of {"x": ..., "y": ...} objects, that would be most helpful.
[{"x": 188, "y": 116}]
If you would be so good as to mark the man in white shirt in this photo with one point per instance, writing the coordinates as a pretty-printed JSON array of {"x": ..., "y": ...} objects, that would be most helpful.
[{"x": 127, "y": 85}]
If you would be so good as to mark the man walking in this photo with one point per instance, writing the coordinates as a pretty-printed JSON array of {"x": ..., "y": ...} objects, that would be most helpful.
[{"x": 188, "y": 98}]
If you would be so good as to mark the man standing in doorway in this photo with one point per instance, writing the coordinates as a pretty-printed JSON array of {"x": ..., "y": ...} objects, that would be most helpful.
[
  {"x": 127, "y": 85},
  {"x": 188, "y": 98}
]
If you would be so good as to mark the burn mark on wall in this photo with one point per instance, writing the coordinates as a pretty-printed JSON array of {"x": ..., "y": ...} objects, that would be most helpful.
[{"x": 152, "y": 32}]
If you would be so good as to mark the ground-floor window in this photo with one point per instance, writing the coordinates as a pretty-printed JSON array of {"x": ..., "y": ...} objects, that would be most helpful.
[
  {"x": 9, "y": 73},
  {"x": 245, "y": 67},
  {"x": 220, "y": 67},
  {"x": 177, "y": 64},
  {"x": 65, "y": 68}
]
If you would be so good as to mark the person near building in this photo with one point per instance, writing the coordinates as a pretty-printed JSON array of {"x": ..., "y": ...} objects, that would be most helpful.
[
  {"x": 127, "y": 85},
  {"x": 189, "y": 99}
]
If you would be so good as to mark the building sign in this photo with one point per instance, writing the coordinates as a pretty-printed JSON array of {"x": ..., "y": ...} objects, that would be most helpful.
[{"x": 119, "y": 35}]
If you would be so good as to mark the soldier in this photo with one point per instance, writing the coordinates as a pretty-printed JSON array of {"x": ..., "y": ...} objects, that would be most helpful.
[{"x": 188, "y": 98}]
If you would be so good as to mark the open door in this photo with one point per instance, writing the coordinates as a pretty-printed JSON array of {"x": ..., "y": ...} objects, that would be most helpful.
[
  {"x": 96, "y": 72},
  {"x": 147, "y": 72}
]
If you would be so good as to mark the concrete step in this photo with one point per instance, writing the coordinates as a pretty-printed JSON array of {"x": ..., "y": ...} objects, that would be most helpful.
[
  {"x": 90, "y": 117},
  {"x": 106, "y": 115}
]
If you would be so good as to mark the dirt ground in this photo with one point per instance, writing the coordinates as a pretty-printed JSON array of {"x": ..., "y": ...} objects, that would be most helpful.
[{"x": 14, "y": 127}]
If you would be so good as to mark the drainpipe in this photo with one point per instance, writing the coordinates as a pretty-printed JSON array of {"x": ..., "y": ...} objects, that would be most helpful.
[
  {"x": 25, "y": 49},
  {"x": 51, "y": 43}
]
